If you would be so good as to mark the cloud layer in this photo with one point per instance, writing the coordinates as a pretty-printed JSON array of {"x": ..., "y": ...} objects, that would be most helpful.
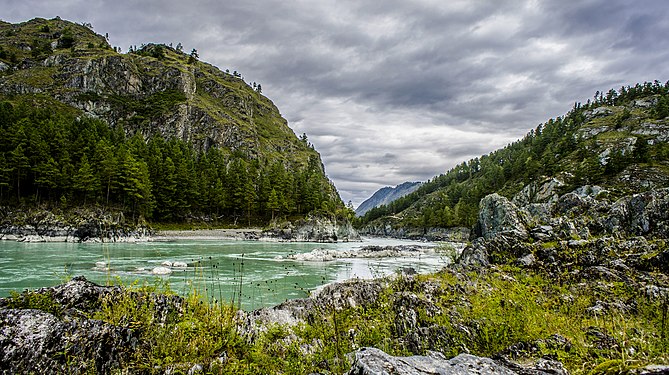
[{"x": 398, "y": 91}]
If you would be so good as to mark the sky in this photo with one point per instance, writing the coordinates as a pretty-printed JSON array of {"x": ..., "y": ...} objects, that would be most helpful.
[{"x": 393, "y": 91}]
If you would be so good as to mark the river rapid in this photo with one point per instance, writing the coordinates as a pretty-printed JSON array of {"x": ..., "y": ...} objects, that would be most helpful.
[{"x": 251, "y": 274}]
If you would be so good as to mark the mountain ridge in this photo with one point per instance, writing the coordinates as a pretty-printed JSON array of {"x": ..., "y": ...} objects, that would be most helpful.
[{"x": 386, "y": 195}]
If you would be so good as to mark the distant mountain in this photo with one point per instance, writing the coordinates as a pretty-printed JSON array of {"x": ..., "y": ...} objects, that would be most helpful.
[{"x": 386, "y": 195}]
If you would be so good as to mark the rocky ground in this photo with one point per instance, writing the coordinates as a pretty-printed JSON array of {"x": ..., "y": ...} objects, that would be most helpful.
[{"x": 552, "y": 283}]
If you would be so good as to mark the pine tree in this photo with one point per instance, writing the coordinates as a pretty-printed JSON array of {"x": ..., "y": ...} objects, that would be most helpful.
[
  {"x": 273, "y": 203},
  {"x": 84, "y": 179},
  {"x": 19, "y": 167}
]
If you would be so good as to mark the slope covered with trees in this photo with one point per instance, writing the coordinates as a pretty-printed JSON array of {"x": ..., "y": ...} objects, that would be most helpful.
[
  {"x": 592, "y": 144},
  {"x": 154, "y": 133}
]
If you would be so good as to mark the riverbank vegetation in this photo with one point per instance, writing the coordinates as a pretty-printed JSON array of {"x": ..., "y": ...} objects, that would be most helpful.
[{"x": 590, "y": 325}]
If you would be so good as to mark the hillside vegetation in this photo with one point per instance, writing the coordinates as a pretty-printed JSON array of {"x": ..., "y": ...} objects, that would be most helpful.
[
  {"x": 620, "y": 131},
  {"x": 155, "y": 133}
]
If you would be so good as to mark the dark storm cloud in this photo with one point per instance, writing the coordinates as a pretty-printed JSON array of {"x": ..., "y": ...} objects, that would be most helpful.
[{"x": 395, "y": 90}]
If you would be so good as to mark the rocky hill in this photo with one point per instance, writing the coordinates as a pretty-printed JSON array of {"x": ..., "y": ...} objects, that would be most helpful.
[
  {"x": 618, "y": 141},
  {"x": 386, "y": 195},
  {"x": 155, "y": 132}
]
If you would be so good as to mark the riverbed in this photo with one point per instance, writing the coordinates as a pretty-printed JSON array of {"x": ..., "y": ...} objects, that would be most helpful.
[{"x": 251, "y": 274}]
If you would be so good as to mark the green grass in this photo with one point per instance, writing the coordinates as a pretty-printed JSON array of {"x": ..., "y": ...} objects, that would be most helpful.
[{"x": 484, "y": 312}]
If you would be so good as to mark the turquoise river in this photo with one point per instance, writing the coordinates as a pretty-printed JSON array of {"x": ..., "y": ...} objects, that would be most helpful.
[{"x": 261, "y": 273}]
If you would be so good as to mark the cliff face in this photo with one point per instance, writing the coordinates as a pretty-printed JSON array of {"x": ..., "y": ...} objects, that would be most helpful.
[{"x": 156, "y": 89}]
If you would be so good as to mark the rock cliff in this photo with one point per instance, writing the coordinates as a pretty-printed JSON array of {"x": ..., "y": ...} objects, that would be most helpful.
[{"x": 154, "y": 89}]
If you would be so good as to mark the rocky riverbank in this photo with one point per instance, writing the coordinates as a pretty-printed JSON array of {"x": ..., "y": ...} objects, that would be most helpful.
[
  {"x": 99, "y": 225},
  {"x": 56, "y": 334},
  {"x": 70, "y": 225},
  {"x": 389, "y": 227},
  {"x": 554, "y": 283}
]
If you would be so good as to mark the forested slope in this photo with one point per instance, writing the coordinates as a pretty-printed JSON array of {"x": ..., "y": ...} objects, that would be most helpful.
[
  {"x": 617, "y": 133},
  {"x": 154, "y": 133}
]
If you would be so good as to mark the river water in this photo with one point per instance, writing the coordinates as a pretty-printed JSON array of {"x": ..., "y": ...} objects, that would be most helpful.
[{"x": 257, "y": 273}]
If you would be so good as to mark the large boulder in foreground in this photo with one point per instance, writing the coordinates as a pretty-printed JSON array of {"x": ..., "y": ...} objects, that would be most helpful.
[
  {"x": 34, "y": 341},
  {"x": 372, "y": 361}
]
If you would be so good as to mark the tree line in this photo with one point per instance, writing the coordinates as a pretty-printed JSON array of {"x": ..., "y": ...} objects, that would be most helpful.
[
  {"x": 539, "y": 153},
  {"x": 49, "y": 157}
]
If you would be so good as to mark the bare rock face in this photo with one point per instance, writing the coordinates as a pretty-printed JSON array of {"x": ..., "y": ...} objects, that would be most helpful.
[
  {"x": 60, "y": 338},
  {"x": 498, "y": 215},
  {"x": 640, "y": 214},
  {"x": 79, "y": 225},
  {"x": 475, "y": 255},
  {"x": 541, "y": 192},
  {"x": 316, "y": 228}
]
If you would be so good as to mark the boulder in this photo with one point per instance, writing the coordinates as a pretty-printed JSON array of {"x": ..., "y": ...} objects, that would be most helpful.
[
  {"x": 497, "y": 215},
  {"x": 541, "y": 192},
  {"x": 34, "y": 341},
  {"x": 639, "y": 214},
  {"x": 474, "y": 255},
  {"x": 573, "y": 204},
  {"x": 372, "y": 361},
  {"x": 316, "y": 228}
]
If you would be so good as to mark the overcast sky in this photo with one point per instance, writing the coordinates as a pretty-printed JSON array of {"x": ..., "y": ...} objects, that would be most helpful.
[{"x": 393, "y": 91}]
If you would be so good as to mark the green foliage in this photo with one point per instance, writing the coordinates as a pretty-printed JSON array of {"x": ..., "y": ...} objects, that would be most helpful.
[
  {"x": 156, "y": 51},
  {"x": 662, "y": 108},
  {"x": 483, "y": 313},
  {"x": 32, "y": 300},
  {"x": 197, "y": 333},
  {"x": 149, "y": 107},
  {"x": 66, "y": 39},
  {"x": 53, "y": 155},
  {"x": 192, "y": 58}
]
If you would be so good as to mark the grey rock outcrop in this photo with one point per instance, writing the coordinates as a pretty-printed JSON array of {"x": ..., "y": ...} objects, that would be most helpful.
[
  {"x": 316, "y": 228},
  {"x": 539, "y": 192},
  {"x": 475, "y": 255},
  {"x": 34, "y": 341},
  {"x": 385, "y": 228},
  {"x": 372, "y": 361},
  {"x": 640, "y": 214},
  {"x": 79, "y": 225},
  {"x": 497, "y": 215},
  {"x": 64, "y": 339}
]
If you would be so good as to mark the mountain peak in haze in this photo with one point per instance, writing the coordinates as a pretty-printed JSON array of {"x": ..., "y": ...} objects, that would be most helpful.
[{"x": 386, "y": 195}]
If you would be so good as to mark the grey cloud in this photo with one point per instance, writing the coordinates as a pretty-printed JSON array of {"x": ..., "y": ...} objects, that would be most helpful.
[{"x": 393, "y": 91}]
